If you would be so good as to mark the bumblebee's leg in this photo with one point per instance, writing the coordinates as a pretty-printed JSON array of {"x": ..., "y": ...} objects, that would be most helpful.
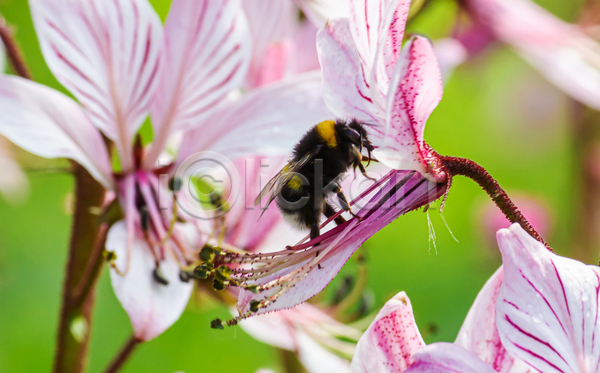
[
  {"x": 369, "y": 159},
  {"x": 311, "y": 219},
  {"x": 364, "y": 172},
  {"x": 329, "y": 211},
  {"x": 343, "y": 201},
  {"x": 314, "y": 231}
]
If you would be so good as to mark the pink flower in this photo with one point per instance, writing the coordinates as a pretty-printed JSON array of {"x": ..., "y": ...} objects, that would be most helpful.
[
  {"x": 366, "y": 76},
  {"x": 357, "y": 76},
  {"x": 536, "y": 314},
  {"x": 560, "y": 51},
  {"x": 120, "y": 65}
]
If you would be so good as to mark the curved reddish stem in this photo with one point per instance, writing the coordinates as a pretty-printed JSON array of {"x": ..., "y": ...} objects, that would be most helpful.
[{"x": 470, "y": 169}]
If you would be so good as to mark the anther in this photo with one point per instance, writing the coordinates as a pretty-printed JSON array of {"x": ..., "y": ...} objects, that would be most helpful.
[
  {"x": 223, "y": 273},
  {"x": 208, "y": 253},
  {"x": 110, "y": 256},
  {"x": 218, "y": 285},
  {"x": 216, "y": 324},
  {"x": 252, "y": 288},
  {"x": 201, "y": 272},
  {"x": 185, "y": 276},
  {"x": 158, "y": 277},
  {"x": 144, "y": 218},
  {"x": 254, "y": 306}
]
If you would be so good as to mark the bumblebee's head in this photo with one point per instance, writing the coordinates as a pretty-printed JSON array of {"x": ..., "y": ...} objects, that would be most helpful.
[
  {"x": 354, "y": 133},
  {"x": 351, "y": 136}
]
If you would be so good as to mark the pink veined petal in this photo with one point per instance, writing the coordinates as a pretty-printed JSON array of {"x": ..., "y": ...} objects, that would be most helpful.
[
  {"x": 319, "y": 12},
  {"x": 207, "y": 51},
  {"x": 370, "y": 23},
  {"x": 547, "y": 308},
  {"x": 107, "y": 53},
  {"x": 560, "y": 51},
  {"x": 377, "y": 28},
  {"x": 390, "y": 341},
  {"x": 49, "y": 124},
  {"x": 404, "y": 192},
  {"x": 151, "y": 307},
  {"x": 340, "y": 65},
  {"x": 268, "y": 120},
  {"x": 271, "y": 24},
  {"x": 443, "y": 357},
  {"x": 417, "y": 90},
  {"x": 479, "y": 333}
]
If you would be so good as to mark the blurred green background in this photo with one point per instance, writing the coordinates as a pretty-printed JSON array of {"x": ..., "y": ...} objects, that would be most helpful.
[{"x": 496, "y": 110}]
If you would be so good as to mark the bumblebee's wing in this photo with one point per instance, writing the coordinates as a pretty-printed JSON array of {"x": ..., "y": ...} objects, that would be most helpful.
[{"x": 274, "y": 186}]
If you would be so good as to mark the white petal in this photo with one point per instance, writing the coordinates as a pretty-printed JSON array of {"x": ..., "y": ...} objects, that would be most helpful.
[
  {"x": 49, "y": 124},
  {"x": 152, "y": 307},
  {"x": 317, "y": 359},
  {"x": 344, "y": 88},
  {"x": 417, "y": 89},
  {"x": 378, "y": 24},
  {"x": 268, "y": 120},
  {"x": 273, "y": 329},
  {"x": 321, "y": 11},
  {"x": 377, "y": 27},
  {"x": 207, "y": 51},
  {"x": 445, "y": 357},
  {"x": 390, "y": 341},
  {"x": 547, "y": 309},
  {"x": 479, "y": 334},
  {"x": 107, "y": 54}
]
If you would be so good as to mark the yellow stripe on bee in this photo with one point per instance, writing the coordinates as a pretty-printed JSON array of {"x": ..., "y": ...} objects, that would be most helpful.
[
  {"x": 295, "y": 183},
  {"x": 326, "y": 130}
]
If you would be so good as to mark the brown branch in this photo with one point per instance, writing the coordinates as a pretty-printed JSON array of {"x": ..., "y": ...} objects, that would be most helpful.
[
  {"x": 123, "y": 355},
  {"x": 12, "y": 50},
  {"x": 470, "y": 169},
  {"x": 88, "y": 279},
  {"x": 76, "y": 315}
]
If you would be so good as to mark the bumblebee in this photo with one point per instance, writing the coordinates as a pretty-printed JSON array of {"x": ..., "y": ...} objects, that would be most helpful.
[{"x": 319, "y": 161}]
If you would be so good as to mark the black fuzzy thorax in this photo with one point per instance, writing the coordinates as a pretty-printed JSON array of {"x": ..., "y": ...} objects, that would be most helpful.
[{"x": 335, "y": 162}]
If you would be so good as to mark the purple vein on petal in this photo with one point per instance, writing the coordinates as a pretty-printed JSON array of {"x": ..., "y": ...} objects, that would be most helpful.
[
  {"x": 536, "y": 356},
  {"x": 545, "y": 300},
  {"x": 507, "y": 318}
]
